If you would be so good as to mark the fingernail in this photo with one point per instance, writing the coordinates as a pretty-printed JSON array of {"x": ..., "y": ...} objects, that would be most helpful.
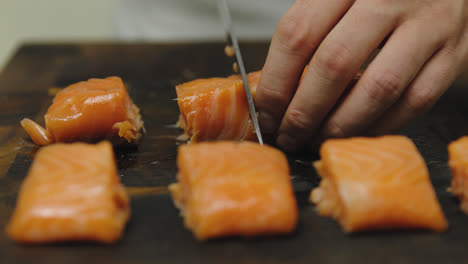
[
  {"x": 267, "y": 123},
  {"x": 287, "y": 143}
]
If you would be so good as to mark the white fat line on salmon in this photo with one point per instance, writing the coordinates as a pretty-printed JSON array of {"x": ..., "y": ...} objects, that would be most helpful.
[
  {"x": 243, "y": 116},
  {"x": 215, "y": 104},
  {"x": 189, "y": 122},
  {"x": 246, "y": 127},
  {"x": 403, "y": 164},
  {"x": 355, "y": 157},
  {"x": 378, "y": 157},
  {"x": 228, "y": 127}
]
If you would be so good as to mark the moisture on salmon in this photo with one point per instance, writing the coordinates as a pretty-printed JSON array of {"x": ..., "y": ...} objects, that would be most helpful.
[
  {"x": 234, "y": 189},
  {"x": 72, "y": 192},
  {"x": 216, "y": 108},
  {"x": 458, "y": 162},
  {"x": 376, "y": 183},
  {"x": 89, "y": 111}
]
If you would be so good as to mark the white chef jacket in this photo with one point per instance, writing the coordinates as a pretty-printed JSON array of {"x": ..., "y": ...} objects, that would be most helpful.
[{"x": 169, "y": 20}]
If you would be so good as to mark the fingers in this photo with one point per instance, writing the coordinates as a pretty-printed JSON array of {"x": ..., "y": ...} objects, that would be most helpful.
[
  {"x": 433, "y": 80},
  {"x": 297, "y": 36},
  {"x": 332, "y": 67},
  {"x": 383, "y": 82}
]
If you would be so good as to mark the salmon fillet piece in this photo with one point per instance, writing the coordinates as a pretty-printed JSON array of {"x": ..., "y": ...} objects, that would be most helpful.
[
  {"x": 71, "y": 192},
  {"x": 458, "y": 162},
  {"x": 89, "y": 111},
  {"x": 234, "y": 188},
  {"x": 376, "y": 183},
  {"x": 216, "y": 108}
]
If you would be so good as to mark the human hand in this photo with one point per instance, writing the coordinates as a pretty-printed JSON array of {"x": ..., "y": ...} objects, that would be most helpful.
[{"x": 426, "y": 46}]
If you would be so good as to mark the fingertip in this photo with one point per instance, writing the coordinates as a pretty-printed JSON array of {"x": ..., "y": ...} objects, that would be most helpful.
[
  {"x": 381, "y": 128},
  {"x": 288, "y": 143},
  {"x": 267, "y": 122},
  {"x": 314, "y": 144},
  {"x": 333, "y": 129}
]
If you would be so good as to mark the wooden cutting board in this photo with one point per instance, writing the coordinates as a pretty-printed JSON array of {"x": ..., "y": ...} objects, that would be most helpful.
[{"x": 156, "y": 233}]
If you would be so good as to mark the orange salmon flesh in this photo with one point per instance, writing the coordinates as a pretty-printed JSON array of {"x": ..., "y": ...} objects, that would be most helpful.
[
  {"x": 216, "y": 108},
  {"x": 89, "y": 111},
  {"x": 376, "y": 183},
  {"x": 234, "y": 189},
  {"x": 458, "y": 162},
  {"x": 72, "y": 192}
]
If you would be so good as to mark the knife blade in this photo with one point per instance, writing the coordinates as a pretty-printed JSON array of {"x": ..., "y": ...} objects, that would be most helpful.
[{"x": 226, "y": 16}]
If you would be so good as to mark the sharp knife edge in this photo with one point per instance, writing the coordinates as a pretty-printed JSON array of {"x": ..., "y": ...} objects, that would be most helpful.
[{"x": 224, "y": 9}]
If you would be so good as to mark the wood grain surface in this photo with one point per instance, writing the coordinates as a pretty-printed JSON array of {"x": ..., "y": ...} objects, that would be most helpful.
[{"x": 155, "y": 233}]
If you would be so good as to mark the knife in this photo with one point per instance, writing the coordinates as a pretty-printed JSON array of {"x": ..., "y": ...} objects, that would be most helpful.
[{"x": 226, "y": 16}]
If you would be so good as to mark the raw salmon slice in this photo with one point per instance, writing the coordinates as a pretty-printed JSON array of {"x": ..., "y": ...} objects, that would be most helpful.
[
  {"x": 89, "y": 111},
  {"x": 234, "y": 188},
  {"x": 376, "y": 183},
  {"x": 458, "y": 162},
  {"x": 72, "y": 192},
  {"x": 216, "y": 108}
]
